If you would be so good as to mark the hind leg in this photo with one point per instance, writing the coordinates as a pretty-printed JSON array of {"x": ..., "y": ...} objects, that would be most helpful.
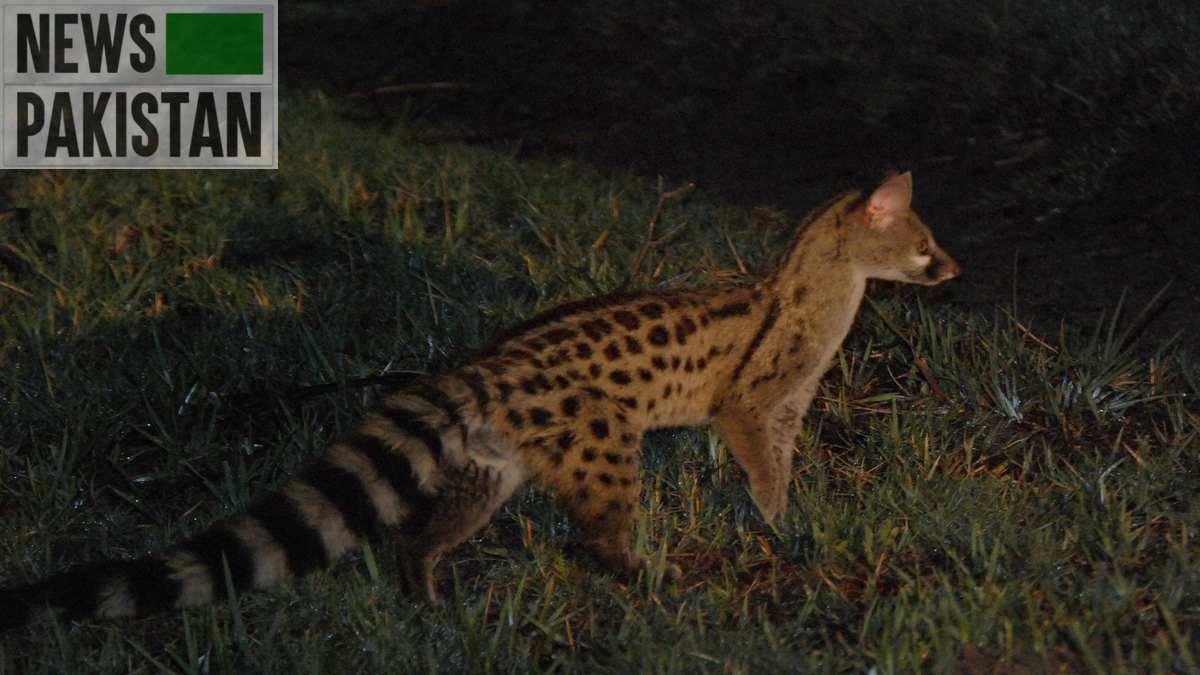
[
  {"x": 605, "y": 522},
  {"x": 598, "y": 483},
  {"x": 469, "y": 498}
]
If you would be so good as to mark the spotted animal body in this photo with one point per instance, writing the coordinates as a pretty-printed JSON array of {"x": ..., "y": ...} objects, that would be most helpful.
[{"x": 563, "y": 402}]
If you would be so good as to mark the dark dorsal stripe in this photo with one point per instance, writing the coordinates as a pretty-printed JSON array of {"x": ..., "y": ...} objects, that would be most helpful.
[
  {"x": 300, "y": 541},
  {"x": 730, "y": 309},
  {"x": 345, "y": 491},
  {"x": 209, "y": 547},
  {"x": 763, "y": 328},
  {"x": 397, "y": 471},
  {"x": 413, "y": 426}
]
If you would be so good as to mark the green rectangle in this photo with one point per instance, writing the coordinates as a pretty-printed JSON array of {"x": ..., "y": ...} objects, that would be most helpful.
[{"x": 217, "y": 43}]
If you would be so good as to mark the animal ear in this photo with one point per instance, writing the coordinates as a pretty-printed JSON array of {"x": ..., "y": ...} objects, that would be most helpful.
[{"x": 893, "y": 196}]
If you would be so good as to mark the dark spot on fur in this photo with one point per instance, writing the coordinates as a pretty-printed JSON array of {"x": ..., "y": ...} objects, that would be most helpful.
[
  {"x": 505, "y": 390},
  {"x": 632, "y": 345},
  {"x": 557, "y": 335},
  {"x": 518, "y": 354},
  {"x": 651, "y": 405},
  {"x": 594, "y": 392},
  {"x": 528, "y": 386},
  {"x": 627, "y": 319},
  {"x": 680, "y": 334},
  {"x": 761, "y": 379},
  {"x": 688, "y": 366},
  {"x": 651, "y": 310},
  {"x": 589, "y": 454},
  {"x": 659, "y": 363},
  {"x": 628, "y": 401},
  {"x": 667, "y": 391},
  {"x": 628, "y": 438},
  {"x": 565, "y": 439},
  {"x": 580, "y": 475},
  {"x": 701, "y": 363},
  {"x": 561, "y": 381},
  {"x": 540, "y": 416},
  {"x": 612, "y": 458},
  {"x": 535, "y": 344},
  {"x": 583, "y": 350},
  {"x": 570, "y": 406},
  {"x": 731, "y": 309},
  {"x": 619, "y": 376},
  {"x": 599, "y": 428},
  {"x": 675, "y": 361},
  {"x": 645, "y": 375},
  {"x": 515, "y": 419},
  {"x": 626, "y": 482},
  {"x": 606, "y": 478},
  {"x": 612, "y": 352},
  {"x": 596, "y": 329},
  {"x": 556, "y": 459},
  {"x": 595, "y": 369},
  {"x": 541, "y": 381},
  {"x": 659, "y": 336}
]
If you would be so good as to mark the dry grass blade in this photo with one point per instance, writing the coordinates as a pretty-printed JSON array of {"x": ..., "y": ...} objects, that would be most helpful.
[{"x": 651, "y": 227}]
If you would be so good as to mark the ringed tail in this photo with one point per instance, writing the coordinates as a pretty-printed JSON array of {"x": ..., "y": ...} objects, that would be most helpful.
[{"x": 384, "y": 475}]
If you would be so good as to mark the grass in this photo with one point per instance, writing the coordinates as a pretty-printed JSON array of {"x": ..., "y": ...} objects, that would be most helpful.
[{"x": 1038, "y": 517}]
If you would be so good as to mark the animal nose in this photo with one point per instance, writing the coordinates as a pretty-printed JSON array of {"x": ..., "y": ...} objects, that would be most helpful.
[{"x": 951, "y": 270}]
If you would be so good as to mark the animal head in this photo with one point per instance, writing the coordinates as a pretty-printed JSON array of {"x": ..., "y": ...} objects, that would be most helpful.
[{"x": 890, "y": 241}]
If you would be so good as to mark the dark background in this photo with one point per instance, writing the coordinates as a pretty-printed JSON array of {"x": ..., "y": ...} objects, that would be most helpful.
[{"x": 1053, "y": 145}]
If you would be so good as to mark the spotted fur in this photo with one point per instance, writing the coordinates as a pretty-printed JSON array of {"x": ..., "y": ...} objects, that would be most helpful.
[{"x": 563, "y": 401}]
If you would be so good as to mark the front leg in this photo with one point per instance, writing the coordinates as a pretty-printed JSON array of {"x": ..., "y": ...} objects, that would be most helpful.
[{"x": 763, "y": 448}]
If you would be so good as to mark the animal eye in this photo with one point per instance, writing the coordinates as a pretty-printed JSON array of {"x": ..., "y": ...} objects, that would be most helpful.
[{"x": 923, "y": 247}]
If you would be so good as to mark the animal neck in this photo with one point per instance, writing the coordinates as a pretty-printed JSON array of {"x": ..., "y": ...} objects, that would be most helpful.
[
  {"x": 817, "y": 277},
  {"x": 818, "y": 287}
]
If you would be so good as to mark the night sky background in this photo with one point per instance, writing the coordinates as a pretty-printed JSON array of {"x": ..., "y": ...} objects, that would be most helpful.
[{"x": 1060, "y": 140}]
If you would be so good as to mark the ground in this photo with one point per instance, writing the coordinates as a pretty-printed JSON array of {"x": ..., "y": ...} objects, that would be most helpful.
[{"x": 975, "y": 489}]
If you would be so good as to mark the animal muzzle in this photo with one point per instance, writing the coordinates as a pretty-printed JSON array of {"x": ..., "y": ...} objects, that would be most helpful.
[{"x": 941, "y": 268}]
